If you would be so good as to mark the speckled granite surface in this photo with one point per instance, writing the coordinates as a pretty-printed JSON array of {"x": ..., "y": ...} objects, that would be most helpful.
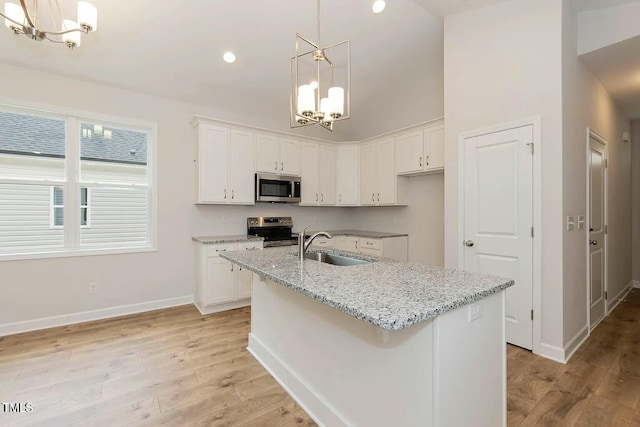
[
  {"x": 360, "y": 233},
  {"x": 386, "y": 293},
  {"x": 211, "y": 240}
]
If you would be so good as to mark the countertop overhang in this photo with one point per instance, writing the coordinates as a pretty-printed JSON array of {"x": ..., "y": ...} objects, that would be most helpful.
[{"x": 388, "y": 294}]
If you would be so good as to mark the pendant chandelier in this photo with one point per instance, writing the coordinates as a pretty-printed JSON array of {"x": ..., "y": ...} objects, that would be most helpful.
[
  {"x": 22, "y": 19},
  {"x": 320, "y": 82}
]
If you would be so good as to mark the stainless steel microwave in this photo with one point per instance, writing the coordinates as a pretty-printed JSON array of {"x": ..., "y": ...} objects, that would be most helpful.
[{"x": 277, "y": 188}]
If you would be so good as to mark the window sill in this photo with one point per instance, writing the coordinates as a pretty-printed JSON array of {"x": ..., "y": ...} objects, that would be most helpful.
[{"x": 66, "y": 253}]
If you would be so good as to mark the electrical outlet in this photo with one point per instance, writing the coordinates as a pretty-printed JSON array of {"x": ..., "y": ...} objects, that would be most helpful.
[
  {"x": 93, "y": 288},
  {"x": 475, "y": 311}
]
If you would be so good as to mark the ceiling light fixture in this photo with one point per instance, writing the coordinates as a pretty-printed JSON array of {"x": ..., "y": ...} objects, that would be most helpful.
[
  {"x": 378, "y": 6},
  {"x": 22, "y": 20},
  {"x": 320, "y": 87},
  {"x": 229, "y": 57}
]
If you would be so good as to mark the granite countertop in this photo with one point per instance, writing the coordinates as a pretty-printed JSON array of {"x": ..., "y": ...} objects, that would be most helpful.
[
  {"x": 388, "y": 294},
  {"x": 360, "y": 233},
  {"x": 211, "y": 240}
]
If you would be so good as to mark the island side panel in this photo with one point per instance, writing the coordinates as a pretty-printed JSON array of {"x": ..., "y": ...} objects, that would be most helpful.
[
  {"x": 471, "y": 364},
  {"x": 339, "y": 368}
]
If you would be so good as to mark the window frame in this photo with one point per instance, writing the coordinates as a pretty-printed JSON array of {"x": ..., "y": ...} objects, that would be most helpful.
[
  {"x": 54, "y": 206},
  {"x": 73, "y": 118}
]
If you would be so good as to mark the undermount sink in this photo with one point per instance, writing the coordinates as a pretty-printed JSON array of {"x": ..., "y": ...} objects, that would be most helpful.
[{"x": 335, "y": 259}]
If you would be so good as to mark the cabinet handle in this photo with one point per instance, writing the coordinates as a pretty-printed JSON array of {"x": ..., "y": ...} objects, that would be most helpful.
[
  {"x": 233, "y": 194},
  {"x": 316, "y": 197},
  {"x": 231, "y": 267},
  {"x": 368, "y": 243},
  {"x": 420, "y": 161},
  {"x": 321, "y": 197},
  {"x": 276, "y": 169},
  {"x": 356, "y": 244},
  {"x": 373, "y": 197},
  {"x": 225, "y": 193},
  {"x": 340, "y": 198},
  {"x": 378, "y": 196},
  {"x": 281, "y": 166},
  {"x": 221, "y": 250},
  {"x": 427, "y": 160}
]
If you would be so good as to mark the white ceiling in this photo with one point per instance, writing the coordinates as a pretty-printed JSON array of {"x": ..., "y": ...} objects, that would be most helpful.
[{"x": 173, "y": 48}]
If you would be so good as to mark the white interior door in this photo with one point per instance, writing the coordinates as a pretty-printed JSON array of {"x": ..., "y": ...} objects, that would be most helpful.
[
  {"x": 498, "y": 219},
  {"x": 597, "y": 221}
]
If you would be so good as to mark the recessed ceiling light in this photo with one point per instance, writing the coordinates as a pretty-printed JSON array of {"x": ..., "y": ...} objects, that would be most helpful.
[
  {"x": 229, "y": 57},
  {"x": 378, "y": 6}
]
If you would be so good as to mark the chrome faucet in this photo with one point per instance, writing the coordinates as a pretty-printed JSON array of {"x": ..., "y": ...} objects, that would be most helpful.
[{"x": 303, "y": 246}]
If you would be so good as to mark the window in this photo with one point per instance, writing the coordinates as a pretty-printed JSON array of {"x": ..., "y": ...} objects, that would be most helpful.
[
  {"x": 71, "y": 184},
  {"x": 57, "y": 207}
]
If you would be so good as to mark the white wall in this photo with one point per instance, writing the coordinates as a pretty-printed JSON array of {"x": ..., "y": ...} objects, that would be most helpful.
[
  {"x": 34, "y": 289},
  {"x": 586, "y": 104},
  {"x": 603, "y": 27},
  {"x": 635, "y": 188},
  {"x": 503, "y": 63},
  {"x": 423, "y": 219}
]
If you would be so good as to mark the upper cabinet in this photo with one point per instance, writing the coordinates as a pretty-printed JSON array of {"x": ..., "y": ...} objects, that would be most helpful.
[
  {"x": 421, "y": 151},
  {"x": 225, "y": 165},
  {"x": 277, "y": 155},
  {"x": 318, "y": 174},
  {"x": 348, "y": 175},
  {"x": 379, "y": 184}
]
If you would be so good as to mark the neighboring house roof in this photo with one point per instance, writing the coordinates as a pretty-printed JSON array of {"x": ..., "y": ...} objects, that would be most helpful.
[{"x": 44, "y": 136}]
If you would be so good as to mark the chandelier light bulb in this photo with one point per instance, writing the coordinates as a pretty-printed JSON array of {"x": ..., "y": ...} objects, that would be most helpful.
[
  {"x": 229, "y": 57},
  {"x": 378, "y": 6},
  {"x": 336, "y": 96},
  {"x": 73, "y": 38},
  {"x": 314, "y": 84},
  {"x": 15, "y": 12},
  {"x": 87, "y": 16},
  {"x": 306, "y": 101}
]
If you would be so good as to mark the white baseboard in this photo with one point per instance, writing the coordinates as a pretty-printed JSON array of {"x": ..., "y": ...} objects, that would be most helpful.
[
  {"x": 87, "y": 316},
  {"x": 552, "y": 352},
  {"x": 623, "y": 293},
  {"x": 574, "y": 343},
  {"x": 299, "y": 391},
  {"x": 636, "y": 283}
]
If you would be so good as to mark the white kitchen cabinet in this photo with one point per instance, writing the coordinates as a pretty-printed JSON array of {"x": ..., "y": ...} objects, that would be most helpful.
[
  {"x": 220, "y": 285},
  {"x": 388, "y": 247},
  {"x": 277, "y": 155},
  {"x": 347, "y": 175},
  {"x": 318, "y": 174},
  {"x": 421, "y": 151},
  {"x": 379, "y": 184},
  {"x": 225, "y": 165}
]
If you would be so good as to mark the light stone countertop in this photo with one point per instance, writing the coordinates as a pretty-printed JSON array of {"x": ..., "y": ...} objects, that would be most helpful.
[
  {"x": 212, "y": 240},
  {"x": 388, "y": 294},
  {"x": 360, "y": 233}
]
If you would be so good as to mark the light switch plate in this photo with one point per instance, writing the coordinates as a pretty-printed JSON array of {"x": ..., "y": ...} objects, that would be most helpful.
[
  {"x": 570, "y": 223},
  {"x": 580, "y": 222}
]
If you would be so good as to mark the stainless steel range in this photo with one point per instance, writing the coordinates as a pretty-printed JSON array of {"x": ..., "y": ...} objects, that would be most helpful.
[{"x": 276, "y": 230}]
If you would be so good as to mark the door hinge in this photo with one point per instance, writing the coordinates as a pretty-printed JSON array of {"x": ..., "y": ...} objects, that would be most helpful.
[
  {"x": 606, "y": 229},
  {"x": 606, "y": 295},
  {"x": 531, "y": 231},
  {"x": 531, "y": 314},
  {"x": 530, "y": 144},
  {"x": 606, "y": 163}
]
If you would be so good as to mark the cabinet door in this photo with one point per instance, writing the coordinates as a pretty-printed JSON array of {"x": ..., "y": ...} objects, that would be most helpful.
[
  {"x": 244, "y": 279},
  {"x": 310, "y": 174},
  {"x": 368, "y": 174},
  {"x": 289, "y": 157},
  {"x": 241, "y": 167},
  {"x": 340, "y": 242},
  {"x": 267, "y": 154},
  {"x": 409, "y": 153},
  {"x": 435, "y": 148},
  {"x": 385, "y": 172},
  {"x": 323, "y": 242},
  {"x": 212, "y": 170},
  {"x": 220, "y": 283},
  {"x": 348, "y": 175},
  {"x": 327, "y": 175}
]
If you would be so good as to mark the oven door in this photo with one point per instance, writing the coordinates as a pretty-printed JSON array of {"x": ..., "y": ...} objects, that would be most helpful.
[{"x": 277, "y": 188}]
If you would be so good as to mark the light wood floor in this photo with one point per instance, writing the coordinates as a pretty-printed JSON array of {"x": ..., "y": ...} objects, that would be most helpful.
[{"x": 177, "y": 368}]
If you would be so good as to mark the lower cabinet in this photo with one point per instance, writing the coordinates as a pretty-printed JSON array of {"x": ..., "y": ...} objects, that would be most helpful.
[
  {"x": 221, "y": 285},
  {"x": 388, "y": 247}
]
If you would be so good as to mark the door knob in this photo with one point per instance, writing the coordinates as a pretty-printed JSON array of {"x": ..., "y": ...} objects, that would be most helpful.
[
  {"x": 593, "y": 242},
  {"x": 468, "y": 243}
]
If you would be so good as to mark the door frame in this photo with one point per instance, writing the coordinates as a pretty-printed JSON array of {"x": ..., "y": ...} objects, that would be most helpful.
[
  {"x": 536, "y": 283},
  {"x": 593, "y": 134}
]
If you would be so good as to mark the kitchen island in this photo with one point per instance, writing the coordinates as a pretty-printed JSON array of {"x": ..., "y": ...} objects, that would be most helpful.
[{"x": 381, "y": 343}]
